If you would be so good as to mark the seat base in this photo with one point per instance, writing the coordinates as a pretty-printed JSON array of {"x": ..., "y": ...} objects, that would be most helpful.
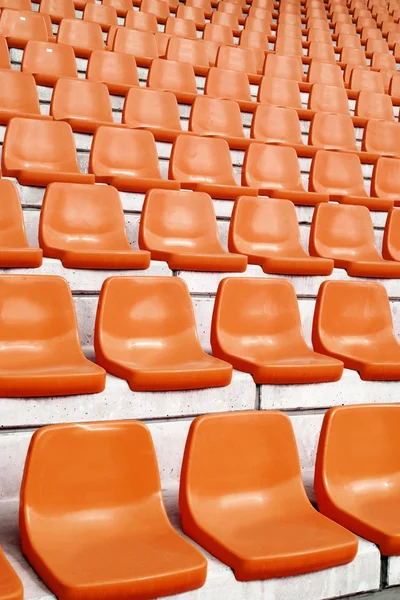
[
  {"x": 296, "y": 266},
  {"x": 44, "y": 178},
  {"x": 218, "y": 262},
  {"x": 372, "y": 203},
  {"x": 221, "y": 192},
  {"x": 300, "y": 198},
  {"x": 105, "y": 259},
  {"x": 128, "y": 183},
  {"x": 298, "y": 370},
  {"x": 384, "y": 269},
  {"x": 28, "y": 258}
]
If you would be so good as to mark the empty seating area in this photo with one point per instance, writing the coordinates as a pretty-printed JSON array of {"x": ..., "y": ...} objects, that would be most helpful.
[{"x": 199, "y": 299}]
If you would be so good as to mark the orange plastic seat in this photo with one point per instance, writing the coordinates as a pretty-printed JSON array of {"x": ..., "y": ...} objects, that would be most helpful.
[
  {"x": 348, "y": 41},
  {"x": 319, "y": 35},
  {"x": 325, "y": 73},
  {"x": 328, "y": 98},
  {"x": 370, "y": 105},
  {"x": 286, "y": 46},
  {"x": 371, "y": 33},
  {"x": 218, "y": 118},
  {"x": 353, "y": 56},
  {"x": 117, "y": 71},
  {"x": 226, "y": 19},
  {"x": 104, "y": 15},
  {"x": 266, "y": 312},
  {"x": 159, "y": 8},
  {"x": 365, "y": 80},
  {"x": 84, "y": 104},
  {"x": 285, "y": 30},
  {"x": 192, "y": 13},
  {"x": 18, "y": 27},
  {"x": 391, "y": 237},
  {"x": 121, "y": 6},
  {"x": 290, "y": 19},
  {"x": 266, "y": 230},
  {"x": 14, "y": 248},
  {"x": 204, "y": 165},
  {"x": 277, "y": 125},
  {"x": 141, "y": 44},
  {"x": 339, "y": 174},
  {"x": 359, "y": 444},
  {"x": 315, "y": 23},
  {"x": 231, "y": 8},
  {"x": 353, "y": 322},
  {"x": 275, "y": 171},
  {"x": 136, "y": 19},
  {"x": 253, "y": 39},
  {"x": 153, "y": 110},
  {"x": 320, "y": 51},
  {"x": 261, "y": 14},
  {"x": 180, "y": 27},
  {"x": 383, "y": 61},
  {"x": 84, "y": 226},
  {"x": 237, "y": 59},
  {"x": 189, "y": 51},
  {"x": 117, "y": 507},
  {"x": 18, "y": 96},
  {"x": 38, "y": 152},
  {"x": 16, "y": 4},
  {"x": 41, "y": 353},
  {"x": 279, "y": 92},
  {"x": 285, "y": 67},
  {"x": 222, "y": 34},
  {"x": 82, "y": 35},
  {"x": 127, "y": 159},
  {"x": 57, "y": 9},
  {"x": 332, "y": 132},
  {"x": 345, "y": 234},
  {"x": 189, "y": 241},
  {"x": 48, "y": 62},
  {"x": 385, "y": 180},
  {"x": 173, "y": 76},
  {"x": 377, "y": 46},
  {"x": 10, "y": 584},
  {"x": 229, "y": 85},
  {"x": 393, "y": 37},
  {"x": 146, "y": 333}
]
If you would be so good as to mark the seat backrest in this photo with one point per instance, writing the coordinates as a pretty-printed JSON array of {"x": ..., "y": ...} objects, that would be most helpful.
[
  {"x": 261, "y": 25},
  {"x": 20, "y": 26},
  {"x": 104, "y": 15},
  {"x": 332, "y": 132},
  {"x": 363, "y": 79},
  {"x": 231, "y": 8},
  {"x": 180, "y": 27},
  {"x": 260, "y": 13},
  {"x": 18, "y": 94},
  {"x": 391, "y": 236},
  {"x": 279, "y": 92},
  {"x": 159, "y": 8},
  {"x": 201, "y": 159},
  {"x": 214, "y": 116},
  {"x": 336, "y": 173},
  {"x": 381, "y": 137},
  {"x": 58, "y": 9},
  {"x": 135, "y": 19},
  {"x": 377, "y": 46},
  {"x": 116, "y": 151},
  {"x": 319, "y": 35},
  {"x": 290, "y": 31},
  {"x": 371, "y": 105},
  {"x": 253, "y": 39},
  {"x": 171, "y": 75},
  {"x": 204, "y": 4},
  {"x": 145, "y": 107},
  {"x": 44, "y": 59},
  {"x": 320, "y": 51},
  {"x": 346, "y": 28},
  {"x": 385, "y": 182},
  {"x": 224, "y": 83},
  {"x": 383, "y": 61},
  {"x": 328, "y": 98},
  {"x": 141, "y": 44},
  {"x": 82, "y": 99},
  {"x": 187, "y": 50},
  {"x": 274, "y": 167},
  {"x": 353, "y": 56},
  {"x": 193, "y": 225},
  {"x": 12, "y": 228},
  {"x": 222, "y": 18},
  {"x": 121, "y": 6},
  {"x": 236, "y": 59},
  {"x": 348, "y": 41},
  {"x": 273, "y": 124},
  {"x": 288, "y": 46},
  {"x": 113, "y": 69},
  {"x": 325, "y": 73},
  {"x": 191, "y": 13},
  {"x": 285, "y": 67},
  {"x": 81, "y": 34},
  {"x": 315, "y": 23},
  {"x": 218, "y": 33}
]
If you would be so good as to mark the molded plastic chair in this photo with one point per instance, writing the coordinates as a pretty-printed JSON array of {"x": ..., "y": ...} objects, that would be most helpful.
[
  {"x": 218, "y": 118},
  {"x": 229, "y": 85},
  {"x": 348, "y": 41},
  {"x": 38, "y": 152},
  {"x": 253, "y": 39},
  {"x": 315, "y": 23},
  {"x": 353, "y": 322},
  {"x": 127, "y": 159},
  {"x": 205, "y": 5},
  {"x": 383, "y": 61},
  {"x": 189, "y": 51},
  {"x": 189, "y": 241},
  {"x": 121, "y": 6},
  {"x": 377, "y": 46},
  {"x": 353, "y": 56},
  {"x": 83, "y": 36},
  {"x": 84, "y": 104},
  {"x": 10, "y": 584},
  {"x": 41, "y": 353},
  {"x": 277, "y": 125},
  {"x": 104, "y": 481},
  {"x": 105, "y": 16},
  {"x": 141, "y": 44},
  {"x": 153, "y": 110},
  {"x": 332, "y": 132},
  {"x": 266, "y": 312},
  {"x": 320, "y": 51},
  {"x": 267, "y": 232},
  {"x": 279, "y": 92},
  {"x": 286, "y": 46},
  {"x": 222, "y": 18},
  {"x": 14, "y": 248},
  {"x": 159, "y": 8},
  {"x": 391, "y": 237},
  {"x": 385, "y": 180},
  {"x": 173, "y": 76},
  {"x": 285, "y": 67},
  {"x": 16, "y": 4},
  {"x": 18, "y": 96},
  {"x": 277, "y": 535},
  {"x": 318, "y": 35},
  {"x": 363, "y": 79},
  {"x": 204, "y": 165},
  {"x": 370, "y": 105},
  {"x": 58, "y": 9},
  {"x": 382, "y": 137},
  {"x": 20, "y": 26},
  {"x": 275, "y": 171},
  {"x": 339, "y": 174},
  {"x": 237, "y": 59},
  {"x": 117, "y": 71},
  {"x": 356, "y": 472},
  {"x": 146, "y": 333},
  {"x": 180, "y": 27},
  {"x": 345, "y": 234},
  {"x": 84, "y": 226},
  {"x": 135, "y": 19},
  {"x": 48, "y": 62},
  {"x": 192, "y": 13},
  {"x": 325, "y": 73},
  {"x": 328, "y": 98}
]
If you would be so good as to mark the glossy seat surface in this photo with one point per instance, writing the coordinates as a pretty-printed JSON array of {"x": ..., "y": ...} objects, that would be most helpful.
[
  {"x": 276, "y": 91},
  {"x": 385, "y": 180},
  {"x": 18, "y": 96},
  {"x": 84, "y": 226},
  {"x": 141, "y": 44},
  {"x": 41, "y": 353},
  {"x": 157, "y": 111},
  {"x": 159, "y": 8},
  {"x": 371, "y": 105},
  {"x": 118, "y": 71},
  {"x": 236, "y": 58},
  {"x": 382, "y": 137},
  {"x": 173, "y": 76},
  {"x": 356, "y": 474},
  {"x": 192, "y": 51},
  {"x": 266, "y": 230},
  {"x": 325, "y": 73},
  {"x": 10, "y": 584},
  {"x": 276, "y": 124},
  {"x": 364, "y": 79},
  {"x": 101, "y": 482},
  {"x": 57, "y": 9},
  {"x": 218, "y": 118},
  {"x": 135, "y": 19},
  {"x": 285, "y": 67},
  {"x": 183, "y": 28},
  {"x": 20, "y": 26},
  {"x": 353, "y": 322},
  {"x": 146, "y": 333},
  {"x": 48, "y": 62},
  {"x": 105, "y": 16},
  {"x": 345, "y": 234},
  {"x": 328, "y": 98},
  {"x": 181, "y": 228},
  {"x": 83, "y": 36},
  {"x": 230, "y": 85},
  {"x": 38, "y": 152},
  {"x": 244, "y": 468},
  {"x": 332, "y": 132}
]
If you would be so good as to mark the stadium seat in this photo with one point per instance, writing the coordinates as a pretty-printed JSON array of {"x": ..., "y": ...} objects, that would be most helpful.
[
  {"x": 83, "y": 36},
  {"x": 353, "y": 56},
  {"x": 205, "y": 5},
  {"x": 266, "y": 230},
  {"x": 181, "y": 28},
  {"x": 393, "y": 37},
  {"x": 84, "y": 226},
  {"x": 345, "y": 234},
  {"x": 159, "y": 8},
  {"x": 320, "y": 51},
  {"x": 391, "y": 237},
  {"x": 204, "y": 165},
  {"x": 48, "y": 62},
  {"x": 319, "y": 35},
  {"x": 275, "y": 171},
  {"x": 332, "y": 132},
  {"x": 14, "y": 248},
  {"x": 146, "y": 334},
  {"x": 18, "y": 96},
  {"x": 121, "y": 6},
  {"x": 385, "y": 180},
  {"x": 84, "y": 104},
  {"x": 260, "y": 25},
  {"x": 292, "y": 31},
  {"x": 383, "y": 61},
  {"x": 279, "y": 125},
  {"x": 266, "y": 312},
  {"x": 285, "y": 67},
  {"x": 370, "y": 33},
  {"x": 279, "y": 92},
  {"x": 57, "y": 9},
  {"x": 348, "y": 41},
  {"x": 218, "y": 118},
  {"x": 38, "y": 152},
  {"x": 278, "y": 535},
  {"x": 153, "y": 110},
  {"x": 325, "y": 73},
  {"x": 16, "y": 4},
  {"x": 315, "y": 23},
  {"x": 117, "y": 71},
  {"x": 10, "y": 584},
  {"x": 139, "y": 20},
  {"x": 20, "y": 26},
  {"x": 254, "y": 39},
  {"x": 192, "y": 13},
  {"x": 353, "y": 322},
  {"x": 376, "y": 46},
  {"x": 359, "y": 444},
  {"x": 232, "y": 9},
  {"x": 226, "y": 19},
  {"x": 328, "y": 98},
  {"x": 189, "y": 51},
  {"x": 104, "y": 482},
  {"x": 286, "y": 46},
  {"x": 173, "y": 76},
  {"x": 141, "y": 44},
  {"x": 221, "y": 34},
  {"x": 348, "y": 188},
  {"x": 41, "y": 352},
  {"x": 381, "y": 137},
  {"x": 127, "y": 159},
  {"x": 4, "y": 54},
  {"x": 366, "y": 80},
  {"x": 230, "y": 85},
  {"x": 189, "y": 241},
  {"x": 371, "y": 105},
  {"x": 104, "y": 15},
  {"x": 237, "y": 59}
]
